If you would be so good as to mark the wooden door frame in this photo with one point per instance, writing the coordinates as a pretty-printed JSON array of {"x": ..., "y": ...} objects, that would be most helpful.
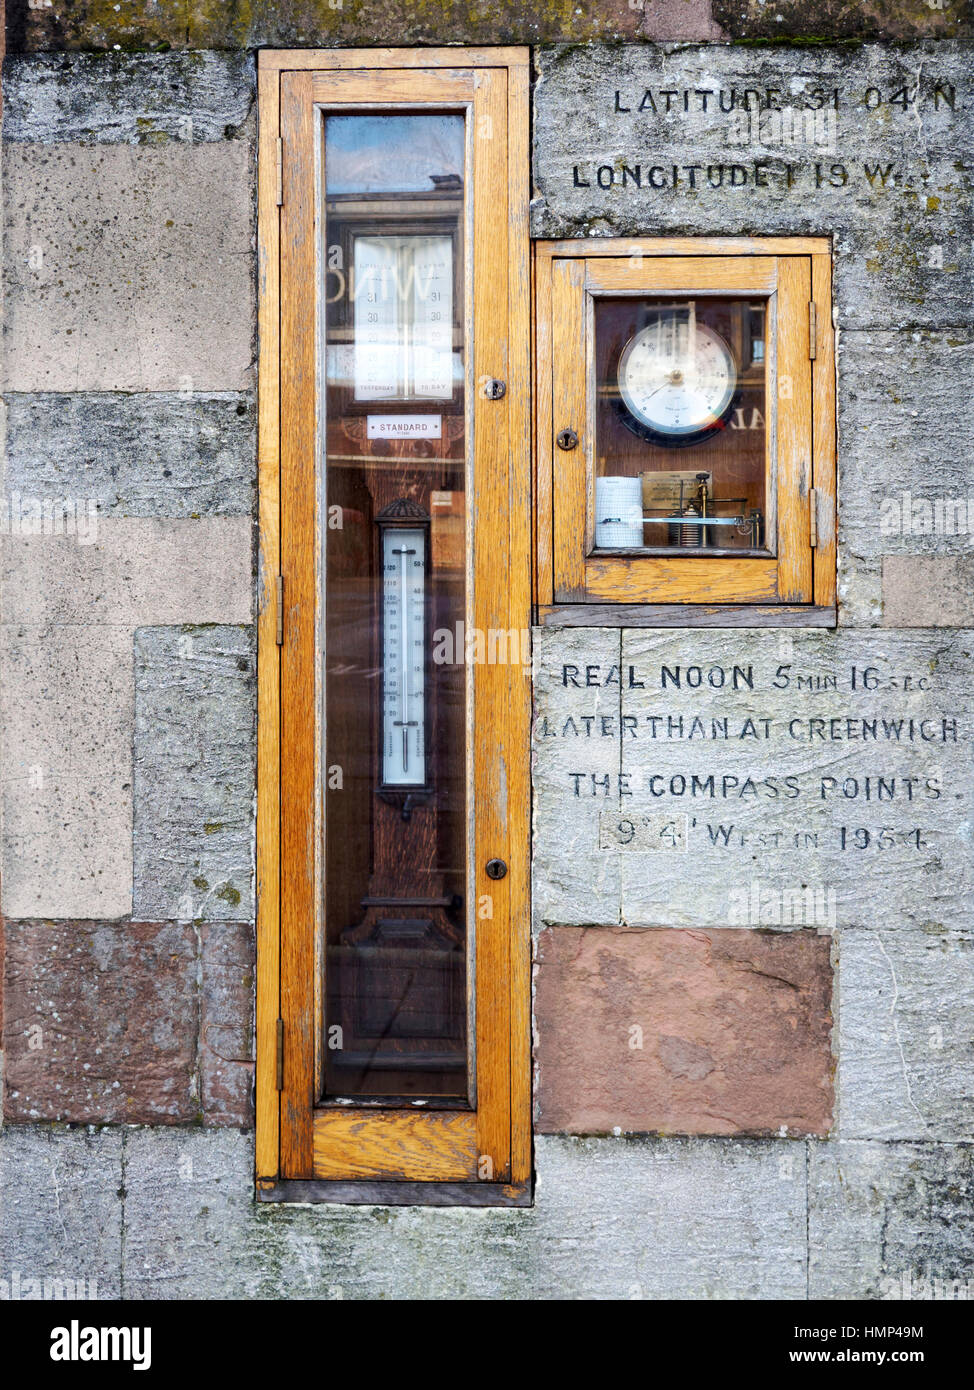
[{"x": 403, "y": 1154}]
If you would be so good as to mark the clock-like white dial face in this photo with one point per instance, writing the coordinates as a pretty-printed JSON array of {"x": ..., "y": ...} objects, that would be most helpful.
[{"x": 676, "y": 377}]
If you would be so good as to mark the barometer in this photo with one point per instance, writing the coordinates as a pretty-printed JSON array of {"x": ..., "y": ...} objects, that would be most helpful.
[{"x": 677, "y": 379}]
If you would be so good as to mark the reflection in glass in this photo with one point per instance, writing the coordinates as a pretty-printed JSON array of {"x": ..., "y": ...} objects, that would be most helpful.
[
  {"x": 394, "y": 574},
  {"x": 403, "y": 317},
  {"x": 681, "y": 425}
]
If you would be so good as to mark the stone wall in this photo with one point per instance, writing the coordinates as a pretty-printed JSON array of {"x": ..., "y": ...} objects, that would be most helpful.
[
  {"x": 753, "y": 1055},
  {"x": 127, "y": 605}
]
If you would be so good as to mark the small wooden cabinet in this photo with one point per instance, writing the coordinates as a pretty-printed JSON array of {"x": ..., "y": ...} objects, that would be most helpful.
[{"x": 685, "y": 446}]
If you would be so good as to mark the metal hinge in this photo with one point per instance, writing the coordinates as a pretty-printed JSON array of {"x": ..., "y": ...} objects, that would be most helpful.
[
  {"x": 813, "y": 517},
  {"x": 280, "y": 172},
  {"x": 280, "y": 610},
  {"x": 812, "y": 329},
  {"x": 279, "y": 1070}
]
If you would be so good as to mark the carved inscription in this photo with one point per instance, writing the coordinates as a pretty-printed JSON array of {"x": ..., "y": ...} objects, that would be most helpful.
[
  {"x": 712, "y": 760},
  {"x": 756, "y": 173},
  {"x": 760, "y": 120},
  {"x": 708, "y": 100},
  {"x": 652, "y": 126}
]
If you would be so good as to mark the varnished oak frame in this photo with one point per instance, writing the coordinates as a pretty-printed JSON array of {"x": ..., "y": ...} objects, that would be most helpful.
[
  {"x": 300, "y": 1148},
  {"x": 795, "y": 588}
]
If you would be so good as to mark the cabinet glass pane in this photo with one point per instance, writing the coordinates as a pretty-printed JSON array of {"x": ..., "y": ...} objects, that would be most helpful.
[
  {"x": 681, "y": 425},
  {"x": 394, "y": 548}
]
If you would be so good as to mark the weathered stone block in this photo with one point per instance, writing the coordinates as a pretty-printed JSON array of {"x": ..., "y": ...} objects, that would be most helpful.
[
  {"x": 228, "y": 957},
  {"x": 129, "y": 571},
  {"x": 193, "y": 1230},
  {"x": 101, "y": 1022},
  {"x": 760, "y": 778},
  {"x": 194, "y": 773},
  {"x": 322, "y": 23},
  {"x": 681, "y": 20},
  {"x": 690, "y": 1219},
  {"x": 865, "y": 142},
  {"x": 895, "y": 392},
  {"x": 189, "y": 1209},
  {"x": 573, "y": 883},
  {"x": 890, "y": 1221},
  {"x": 134, "y": 24},
  {"x": 678, "y": 1032},
  {"x": 129, "y": 270},
  {"x": 130, "y": 1022},
  {"x": 906, "y": 1060},
  {"x": 66, "y": 711},
  {"x": 904, "y": 485},
  {"x": 127, "y": 98},
  {"x": 928, "y": 591},
  {"x": 62, "y": 1217},
  {"x": 612, "y": 1219},
  {"x": 66, "y": 695},
  {"x": 139, "y": 455},
  {"x": 694, "y": 1219},
  {"x": 91, "y": 24},
  {"x": 825, "y": 19}
]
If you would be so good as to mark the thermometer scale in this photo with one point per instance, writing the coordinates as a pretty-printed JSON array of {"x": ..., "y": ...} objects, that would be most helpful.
[{"x": 403, "y": 531}]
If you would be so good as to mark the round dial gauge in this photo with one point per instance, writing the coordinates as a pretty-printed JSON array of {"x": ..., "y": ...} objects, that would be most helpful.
[{"x": 676, "y": 379}]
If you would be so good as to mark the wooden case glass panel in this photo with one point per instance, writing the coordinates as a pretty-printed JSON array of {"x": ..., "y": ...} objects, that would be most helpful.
[
  {"x": 681, "y": 429},
  {"x": 393, "y": 968},
  {"x": 394, "y": 567}
]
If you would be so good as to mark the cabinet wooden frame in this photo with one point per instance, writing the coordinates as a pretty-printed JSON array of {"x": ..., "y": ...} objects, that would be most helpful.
[
  {"x": 485, "y": 1149},
  {"x": 796, "y": 583}
]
